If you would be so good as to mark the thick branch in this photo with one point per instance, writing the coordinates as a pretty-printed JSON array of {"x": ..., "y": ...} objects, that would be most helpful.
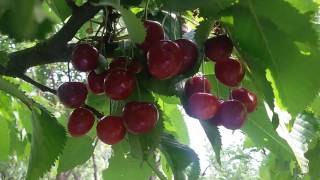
[{"x": 55, "y": 49}]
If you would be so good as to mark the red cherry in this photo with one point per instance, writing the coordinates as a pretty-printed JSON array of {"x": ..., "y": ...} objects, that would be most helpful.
[
  {"x": 111, "y": 130},
  {"x": 72, "y": 94},
  {"x": 232, "y": 114},
  {"x": 154, "y": 34},
  {"x": 80, "y": 122},
  {"x": 203, "y": 106},
  {"x": 218, "y": 48},
  {"x": 132, "y": 66},
  {"x": 189, "y": 54},
  {"x": 140, "y": 117},
  {"x": 164, "y": 59},
  {"x": 249, "y": 99},
  {"x": 197, "y": 84},
  {"x": 96, "y": 82},
  {"x": 85, "y": 57},
  {"x": 119, "y": 84},
  {"x": 216, "y": 120},
  {"x": 230, "y": 72}
]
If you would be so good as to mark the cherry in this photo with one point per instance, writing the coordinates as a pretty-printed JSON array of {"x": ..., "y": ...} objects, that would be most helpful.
[
  {"x": 72, "y": 94},
  {"x": 189, "y": 54},
  {"x": 96, "y": 82},
  {"x": 154, "y": 32},
  {"x": 203, "y": 106},
  {"x": 119, "y": 84},
  {"x": 232, "y": 114},
  {"x": 249, "y": 99},
  {"x": 140, "y": 117},
  {"x": 80, "y": 122},
  {"x": 197, "y": 84},
  {"x": 230, "y": 72},
  {"x": 164, "y": 59},
  {"x": 85, "y": 58},
  {"x": 218, "y": 48},
  {"x": 216, "y": 120},
  {"x": 111, "y": 130},
  {"x": 132, "y": 66}
]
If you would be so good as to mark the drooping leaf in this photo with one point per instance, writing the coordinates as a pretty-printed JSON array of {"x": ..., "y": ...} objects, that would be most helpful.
[
  {"x": 4, "y": 140},
  {"x": 214, "y": 137},
  {"x": 257, "y": 35},
  {"x": 48, "y": 139},
  {"x": 183, "y": 161},
  {"x": 313, "y": 156},
  {"x": 76, "y": 152},
  {"x": 123, "y": 166},
  {"x": 134, "y": 25},
  {"x": 274, "y": 167}
]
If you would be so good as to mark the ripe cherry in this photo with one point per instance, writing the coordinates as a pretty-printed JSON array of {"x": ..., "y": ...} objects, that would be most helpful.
[
  {"x": 132, "y": 66},
  {"x": 119, "y": 84},
  {"x": 85, "y": 58},
  {"x": 197, "y": 84},
  {"x": 249, "y": 99},
  {"x": 111, "y": 130},
  {"x": 154, "y": 34},
  {"x": 96, "y": 82},
  {"x": 232, "y": 114},
  {"x": 230, "y": 72},
  {"x": 218, "y": 48},
  {"x": 72, "y": 94},
  {"x": 140, "y": 117},
  {"x": 216, "y": 120},
  {"x": 164, "y": 59},
  {"x": 80, "y": 122},
  {"x": 189, "y": 54},
  {"x": 203, "y": 106}
]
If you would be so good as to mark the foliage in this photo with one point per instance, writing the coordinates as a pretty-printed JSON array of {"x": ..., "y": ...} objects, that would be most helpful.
[{"x": 277, "y": 40}]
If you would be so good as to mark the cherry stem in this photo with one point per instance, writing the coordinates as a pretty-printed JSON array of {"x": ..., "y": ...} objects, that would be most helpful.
[
  {"x": 138, "y": 89},
  {"x": 146, "y": 10},
  {"x": 203, "y": 74},
  {"x": 69, "y": 76},
  {"x": 44, "y": 88}
]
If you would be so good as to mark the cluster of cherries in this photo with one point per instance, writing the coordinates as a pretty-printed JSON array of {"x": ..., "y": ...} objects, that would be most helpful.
[
  {"x": 165, "y": 59},
  {"x": 203, "y": 105},
  {"x": 118, "y": 83}
]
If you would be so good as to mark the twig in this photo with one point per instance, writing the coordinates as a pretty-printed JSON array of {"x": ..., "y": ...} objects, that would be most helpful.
[
  {"x": 44, "y": 88},
  {"x": 72, "y": 5}
]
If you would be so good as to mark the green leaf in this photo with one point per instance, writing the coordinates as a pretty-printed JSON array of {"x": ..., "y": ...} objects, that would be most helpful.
[
  {"x": 274, "y": 167},
  {"x": 60, "y": 8},
  {"x": 48, "y": 139},
  {"x": 123, "y": 166},
  {"x": 214, "y": 137},
  {"x": 3, "y": 58},
  {"x": 27, "y": 14},
  {"x": 76, "y": 152},
  {"x": 313, "y": 156},
  {"x": 183, "y": 161},
  {"x": 260, "y": 130},
  {"x": 135, "y": 27},
  {"x": 4, "y": 140},
  {"x": 256, "y": 35},
  {"x": 99, "y": 102}
]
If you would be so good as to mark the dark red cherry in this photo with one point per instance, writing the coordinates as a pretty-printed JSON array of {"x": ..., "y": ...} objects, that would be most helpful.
[
  {"x": 216, "y": 120},
  {"x": 154, "y": 34},
  {"x": 85, "y": 58},
  {"x": 203, "y": 106},
  {"x": 132, "y": 66},
  {"x": 119, "y": 84},
  {"x": 189, "y": 54},
  {"x": 233, "y": 114},
  {"x": 72, "y": 94},
  {"x": 164, "y": 59},
  {"x": 218, "y": 48},
  {"x": 197, "y": 84},
  {"x": 230, "y": 72},
  {"x": 96, "y": 82},
  {"x": 140, "y": 117},
  {"x": 111, "y": 130},
  {"x": 80, "y": 122},
  {"x": 249, "y": 99}
]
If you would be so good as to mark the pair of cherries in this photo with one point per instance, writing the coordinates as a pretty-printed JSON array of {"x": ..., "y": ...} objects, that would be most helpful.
[
  {"x": 165, "y": 58},
  {"x": 138, "y": 118},
  {"x": 205, "y": 106}
]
